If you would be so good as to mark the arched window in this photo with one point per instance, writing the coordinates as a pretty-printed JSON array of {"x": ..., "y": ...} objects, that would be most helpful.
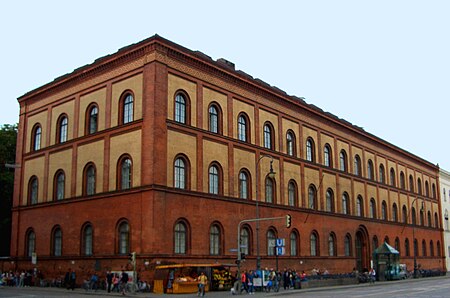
[
  {"x": 244, "y": 184},
  {"x": 33, "y": 190},
  {"x": 407, "y": 247},
  {"x": 330, "y": 200},
  {"x": 424, "y": 248},
  {"x": 124, "y": 238},
  {"x": 404, "y": 214},
  {"x": 180, "y": 235},
  {"x": 57, "y": 242},
  {"x": 402, "y": 180},
  {"x": 332, "y": 245},
  {"x": 293, "y": 237},
  {"x": 125, "y": 172},
  {"x": 429, "y": 218},
  {"x": 290, "y": 143},
  {"x": 310, "y": 154},
  {"x": 384, "y": 210},
  {"x": 436, "y": 221},
  {"x": 438, "y": 248},
  {"x": 215, "y": 120},
  {"x": 392, "y": 177},
  {"x": 373, "y": 208},
  {"x": 61, "y": 133},
  {"x": 181, "y": 106},
  {"x": 314, "y": 244},
  {"x": 345, "y": 203},
  {"x": 92, "y": 119},
  {"x": 375, "y": 242},
  {"x": 36, "y": 137},
  {"x": 214, "y": 240},
  {"x": 327, "y": 156},
  {"x": 370, "y": 171},
  {"x": 386, "y": 239},
  {"x": 245, "y": 241},
  {"x": 427, "y": 189},
  {"x": 359, "y": 206},
  {"x": 394, "y": 213},
  {"x": 243, "y": 128},
  {"x": 411, "y": 183},
  {"x": 270, "y": 190},
  {"x": 343, "y": 161},
  {"x": 215, "y": 185},
  {"x": 382, "y": 178},
  {"x": 447, "y": 226},
  {"x": 89, "y": 180},
  {"x": 180, "y": 173},
  {"x": 271, "y": 241},
  {"x": 421, "y": 219},
  {"x": 31, "y": 243},
  {"x": 413, "y": 216},
  {"x": 127, "y": 108},
  {"x": 87, "y": 244},
  {"x": 357, "y": 166},
  {"x": 312, "y": 197},
  {"x": 347, "y": 245},
  {"x": 292, "y": 193},
  {"x": 59, "y": 183},
  {"x": 433, "y": 191},
  {"x": 397, "y": 244},
  {"x": 419, "y": 186},
  {"x": 431, "y": 248},
  {"x": 268, "y": 136}
]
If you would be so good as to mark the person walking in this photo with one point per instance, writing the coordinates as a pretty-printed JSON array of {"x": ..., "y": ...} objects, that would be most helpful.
[
  {"x": 202, "y": 281},
  {"x": 73, "y": 279},
  {"x": 123, "y": 281},
  {"x": 372, "y": 275},
  {"x": 109, "y": 280}
]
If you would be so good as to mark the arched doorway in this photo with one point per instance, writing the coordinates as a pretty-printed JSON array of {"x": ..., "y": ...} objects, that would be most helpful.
[{"x": 362, "y": 249}]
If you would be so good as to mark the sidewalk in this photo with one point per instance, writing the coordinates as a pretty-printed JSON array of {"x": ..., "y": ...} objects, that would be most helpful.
[{"x": 78, "y": 292}]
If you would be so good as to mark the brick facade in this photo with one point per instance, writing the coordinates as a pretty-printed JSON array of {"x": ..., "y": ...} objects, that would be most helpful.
[{"x": 154, "y": 71}]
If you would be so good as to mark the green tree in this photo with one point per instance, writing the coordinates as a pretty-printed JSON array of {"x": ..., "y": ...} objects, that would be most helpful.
[{"x": 8, "y": 139}]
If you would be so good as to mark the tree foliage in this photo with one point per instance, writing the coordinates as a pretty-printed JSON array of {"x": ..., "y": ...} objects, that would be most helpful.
[{"x": 8, "y": 139}]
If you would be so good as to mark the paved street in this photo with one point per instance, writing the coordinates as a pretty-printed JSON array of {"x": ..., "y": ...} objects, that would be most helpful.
[{"x": 427, "y": 287}]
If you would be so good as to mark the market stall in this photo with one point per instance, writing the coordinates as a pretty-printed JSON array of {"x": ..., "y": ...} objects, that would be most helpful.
[{"x": 182, "y": 278}]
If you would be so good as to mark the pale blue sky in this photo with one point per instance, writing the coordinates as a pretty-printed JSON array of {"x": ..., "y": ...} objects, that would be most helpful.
[{"x": 382, "y": 65}]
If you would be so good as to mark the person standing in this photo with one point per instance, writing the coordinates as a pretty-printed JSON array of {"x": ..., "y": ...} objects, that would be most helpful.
[
  {"x": 73, "y": 278},
  {"x": 202, "y": 281},
  {"x": 109, "y": 280},
  {"x": 286, "y": 279},
  {"x": 123, "y": 281},
  {"x": 372, "y": 275}
]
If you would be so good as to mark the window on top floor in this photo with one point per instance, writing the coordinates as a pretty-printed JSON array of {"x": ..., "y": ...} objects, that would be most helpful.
[
  {"x": 290, "y": 143},
  {"x": 402, "y": 180},
  {"x": 357, "y": 166},
  {"x": 392, "y": 177},
  {"x": 243, "y": 128},
  {"x": 92, "y": 119},
  {"x": 419, "y": 186},
  {"x": 327, "y": 156},
  {"x": 310, "y": 154},
  {"x": 269, "y": 137},
  {"x": 382, "y": 177},
  {"x": 215, "y": 119},
  {"x": 36, "y": 137},
  {"x": 343, "y": 161},
  {"x": 127, "y": 108},
  {"x": 61, "y": 134},
  {"x": 181, "y": 108},
  {"x": 370, "y": 170}
]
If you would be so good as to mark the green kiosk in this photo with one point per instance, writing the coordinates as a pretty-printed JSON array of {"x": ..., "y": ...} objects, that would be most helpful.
[{"x": 386, "y": 262}]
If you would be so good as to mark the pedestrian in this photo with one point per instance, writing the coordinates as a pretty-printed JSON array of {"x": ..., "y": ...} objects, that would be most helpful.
[
  {"x": 73, "y": 278},
  {"x": 93, "y": 282},
  {"x": 372, "y": 275},
  {"x": 109, "y": 281},
  {"x": 123, "y": 281},
  {"x": 202, "y": 281},
  {"x": 286, "y": 279}
]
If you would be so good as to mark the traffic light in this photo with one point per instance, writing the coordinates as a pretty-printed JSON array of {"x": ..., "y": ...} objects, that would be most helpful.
[
  {"x": 132, "y": 257},
  {"x": 288, "y": 221}
]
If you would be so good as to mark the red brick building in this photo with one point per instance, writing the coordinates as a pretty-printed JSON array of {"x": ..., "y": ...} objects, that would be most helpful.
[{"x": 154, "y": 149}]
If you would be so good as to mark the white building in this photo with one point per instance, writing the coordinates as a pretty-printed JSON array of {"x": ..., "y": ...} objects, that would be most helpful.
[{"x": 444, "y": 178}]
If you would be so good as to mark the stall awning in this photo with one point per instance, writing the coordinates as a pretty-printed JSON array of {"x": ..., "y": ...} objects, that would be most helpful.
[{"x": 385, "y": 249}]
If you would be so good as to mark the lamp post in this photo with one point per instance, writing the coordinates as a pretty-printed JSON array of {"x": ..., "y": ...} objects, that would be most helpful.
[{"x": 271, "y": 175}]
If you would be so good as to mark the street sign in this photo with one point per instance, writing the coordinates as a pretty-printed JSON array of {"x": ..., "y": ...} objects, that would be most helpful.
[
  {"x": 280, "y": 242},
  {"x": 280, "y": 251}
]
